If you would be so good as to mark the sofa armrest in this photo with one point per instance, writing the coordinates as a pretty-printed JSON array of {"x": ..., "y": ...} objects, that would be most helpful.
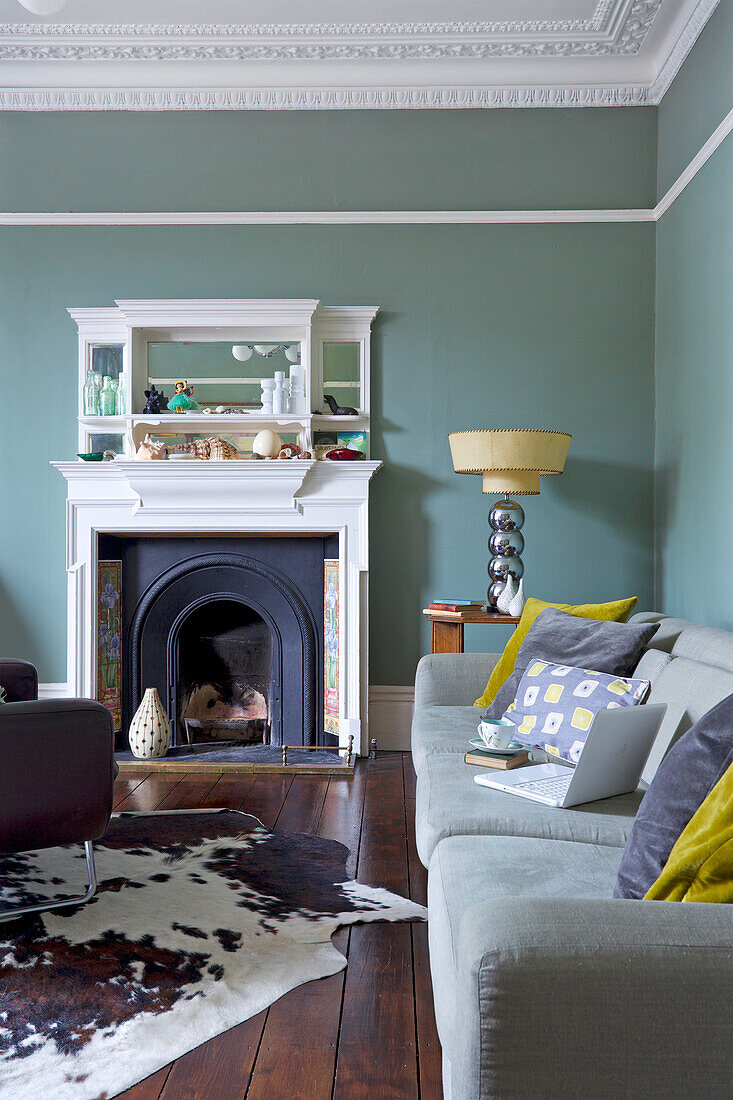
[
  {"x": 56, "y": 773},
  {"x": 583, "y": 997},
  {"x": 19, "y": 678},
  {"x": 452, "y": 679}
]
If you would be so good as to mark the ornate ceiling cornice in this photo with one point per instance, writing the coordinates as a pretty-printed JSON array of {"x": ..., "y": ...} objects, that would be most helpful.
[
  {"x": 606, "y": 34},
  {"x": 347, "y": 65},
  {"x": 313, "y": 99}
]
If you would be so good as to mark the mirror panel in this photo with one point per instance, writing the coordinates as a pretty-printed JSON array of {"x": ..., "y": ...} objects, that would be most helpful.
[
  {"x": 217, "y": 372},
  {"x": 342, "y": 372},
  {"x": 107, "y": 360}
]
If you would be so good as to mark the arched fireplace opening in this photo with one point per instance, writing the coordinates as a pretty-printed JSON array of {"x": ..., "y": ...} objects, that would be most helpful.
[
  {"x": 226, "y": 628},
  {"x": 223, "y": 674}
]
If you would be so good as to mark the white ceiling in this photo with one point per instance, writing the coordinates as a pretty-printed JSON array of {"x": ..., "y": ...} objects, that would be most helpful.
[{"x": 325, "y": 53}]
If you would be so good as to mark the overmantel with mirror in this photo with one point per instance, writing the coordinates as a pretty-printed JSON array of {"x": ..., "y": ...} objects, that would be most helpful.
[
  {"x": 226, "y": 355},
  {"x": 248, "y": 510}
]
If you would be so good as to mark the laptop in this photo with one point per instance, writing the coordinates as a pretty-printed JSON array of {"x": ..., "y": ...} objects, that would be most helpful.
[{"x": 613, "y": 758}]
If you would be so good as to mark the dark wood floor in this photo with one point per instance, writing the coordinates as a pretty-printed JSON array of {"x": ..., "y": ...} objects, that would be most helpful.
[{"x": 366, "y": 1032}]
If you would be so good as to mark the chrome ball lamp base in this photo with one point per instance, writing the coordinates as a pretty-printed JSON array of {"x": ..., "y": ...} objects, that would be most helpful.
[{"x": 506, "y": 544}]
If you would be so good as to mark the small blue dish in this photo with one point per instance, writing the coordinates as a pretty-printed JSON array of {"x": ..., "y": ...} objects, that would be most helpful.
[{"x": 513, "y": 749}]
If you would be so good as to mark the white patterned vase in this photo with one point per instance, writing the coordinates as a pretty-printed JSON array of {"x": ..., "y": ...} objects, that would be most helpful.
[{"x": 150, "y": 731}]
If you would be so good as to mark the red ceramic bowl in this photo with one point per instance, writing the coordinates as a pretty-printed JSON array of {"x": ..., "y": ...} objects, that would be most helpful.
[{"x": 343, "y": 454}]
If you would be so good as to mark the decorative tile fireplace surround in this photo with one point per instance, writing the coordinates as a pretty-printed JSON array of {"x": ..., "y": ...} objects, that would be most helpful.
[{"x": 196, "y": 500}]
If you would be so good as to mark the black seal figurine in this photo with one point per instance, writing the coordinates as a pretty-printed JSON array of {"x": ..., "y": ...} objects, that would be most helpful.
[{"x": 339, "y": 410}]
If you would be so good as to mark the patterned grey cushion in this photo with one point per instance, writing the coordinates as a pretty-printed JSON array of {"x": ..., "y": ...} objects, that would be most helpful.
[
  {"x": 560, "y": 638},
  {"x": 555, "y": 705},
  {"x": 683, "y": 781}
]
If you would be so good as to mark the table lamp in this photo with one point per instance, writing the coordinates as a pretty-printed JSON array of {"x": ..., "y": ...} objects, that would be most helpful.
[{"x": 510, "y": 461}]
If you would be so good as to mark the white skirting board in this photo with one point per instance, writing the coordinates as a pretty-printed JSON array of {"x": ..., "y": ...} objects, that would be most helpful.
[
  {"x": 390, "y": 712},
  {"x": 390, "y": 716}
]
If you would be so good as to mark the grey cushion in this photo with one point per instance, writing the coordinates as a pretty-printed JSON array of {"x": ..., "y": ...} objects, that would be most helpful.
[
  {"x": 689, "y": 689},
  {"x": 573, "y": 998},
  {"x": 467, "y": 870},
  {"x": 441, "y": 730},
  {"x": 449, "y": 803},
  {"x": 567, "y": 639},
  {"x": 684, "y": 779},
  {"x": 651, "y": 664},
  {"x": 452, "y": 679}
]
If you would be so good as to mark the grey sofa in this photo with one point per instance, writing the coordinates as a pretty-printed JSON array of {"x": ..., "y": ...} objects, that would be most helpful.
[{"x": 544, "y": 986}]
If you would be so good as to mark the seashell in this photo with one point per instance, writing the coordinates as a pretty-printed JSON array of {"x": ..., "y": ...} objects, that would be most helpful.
[
  {"x": 221, "y": 449},
  {"x": 151, "y": 448},
  {"x": 289, "y": 450},
  {"x": 213, "y": 447}
]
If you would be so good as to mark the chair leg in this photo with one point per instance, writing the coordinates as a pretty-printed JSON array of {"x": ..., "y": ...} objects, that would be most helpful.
[{"x": 21, "y": 911}]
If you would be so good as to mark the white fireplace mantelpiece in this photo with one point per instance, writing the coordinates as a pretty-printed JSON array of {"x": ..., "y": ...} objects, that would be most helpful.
[{"x": 193, "y": 497}]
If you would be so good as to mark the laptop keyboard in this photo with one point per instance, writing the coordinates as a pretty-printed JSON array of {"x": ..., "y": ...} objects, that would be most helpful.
[{"x": 553, "y": 787}]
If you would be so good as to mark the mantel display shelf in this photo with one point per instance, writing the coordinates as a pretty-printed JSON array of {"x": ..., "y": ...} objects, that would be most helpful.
[{"x": 243, "y": 365}]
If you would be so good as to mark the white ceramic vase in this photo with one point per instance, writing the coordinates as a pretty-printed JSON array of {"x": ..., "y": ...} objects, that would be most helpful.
[{"x": 150, "y": 731}]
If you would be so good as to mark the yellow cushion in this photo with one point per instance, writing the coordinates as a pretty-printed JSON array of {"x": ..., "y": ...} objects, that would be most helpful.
[
  {"x": 700, "y": 866},
  {"x": 617, "y": 612}
]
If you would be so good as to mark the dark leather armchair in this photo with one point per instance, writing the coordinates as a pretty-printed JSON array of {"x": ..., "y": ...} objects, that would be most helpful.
[{"x": 57, "y": 771}]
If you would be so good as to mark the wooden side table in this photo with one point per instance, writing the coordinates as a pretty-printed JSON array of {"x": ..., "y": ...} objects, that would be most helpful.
[{"x": 446, "y": 628}]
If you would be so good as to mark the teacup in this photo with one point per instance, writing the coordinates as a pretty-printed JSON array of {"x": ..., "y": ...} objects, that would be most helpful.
[{"x": 497, "y": 733}]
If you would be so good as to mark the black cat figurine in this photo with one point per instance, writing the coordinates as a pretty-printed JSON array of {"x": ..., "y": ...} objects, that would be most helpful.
[
  {"x": 339, "y": 410},
  {"x": 154, "y": 399}
]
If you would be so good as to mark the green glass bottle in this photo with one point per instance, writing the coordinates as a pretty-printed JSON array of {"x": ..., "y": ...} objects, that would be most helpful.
[{"x": 108, "y": 398}]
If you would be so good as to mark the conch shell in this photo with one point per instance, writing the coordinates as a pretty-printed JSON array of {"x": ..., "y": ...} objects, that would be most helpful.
[
  {"x": 212, "y": 448},
  {"x": 152, "y": 448}
]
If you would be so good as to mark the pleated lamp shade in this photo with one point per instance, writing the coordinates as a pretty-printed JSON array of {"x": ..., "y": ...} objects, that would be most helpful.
[{"x": 509, "y": 459}]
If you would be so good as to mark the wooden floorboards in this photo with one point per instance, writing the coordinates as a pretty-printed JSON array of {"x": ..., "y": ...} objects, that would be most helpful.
[{"x": 368, "y": 1031}]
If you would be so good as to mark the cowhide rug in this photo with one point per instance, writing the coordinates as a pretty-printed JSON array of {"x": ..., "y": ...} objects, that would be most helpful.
[{"x": 202, "y": 919}]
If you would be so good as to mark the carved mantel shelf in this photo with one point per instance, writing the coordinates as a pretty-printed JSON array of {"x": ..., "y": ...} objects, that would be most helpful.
[{"x": 241, "y": 488}]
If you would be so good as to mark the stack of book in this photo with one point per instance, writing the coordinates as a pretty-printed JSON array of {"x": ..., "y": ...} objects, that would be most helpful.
[
  {"x": 461, "y": 609},
  {"x": 484, "y": 758}
]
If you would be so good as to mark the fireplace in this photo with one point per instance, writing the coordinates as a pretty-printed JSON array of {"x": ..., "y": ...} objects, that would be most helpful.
[
  {"x": 230, "y": 632},
  {"x": 173, "y": 511}
]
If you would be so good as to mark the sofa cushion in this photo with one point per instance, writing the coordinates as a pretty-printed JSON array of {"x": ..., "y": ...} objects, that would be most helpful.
[
  {"x": 555, "y": 636},
  {"x": 556, "y": 704},
  {"x": 689, "y": 689},
  {"x": 685, "y": 778},
  {"x": 470, "y": 869},
  {"x": 449, "y": 803},
  {"x": 442, "y": 730},
  {"x": 700, "y": 866},
  {"x": 619, "y": 611}
]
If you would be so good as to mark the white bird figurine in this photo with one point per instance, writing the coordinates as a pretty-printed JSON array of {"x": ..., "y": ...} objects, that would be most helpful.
[
  {"x": 516, "y": 604},
  {"x": 507, "y": 595}
]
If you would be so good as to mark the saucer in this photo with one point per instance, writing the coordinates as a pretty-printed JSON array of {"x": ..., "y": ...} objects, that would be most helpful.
[{"x": 513, "y": 749}]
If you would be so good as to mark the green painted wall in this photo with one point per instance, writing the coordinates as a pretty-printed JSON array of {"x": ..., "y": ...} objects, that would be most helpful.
[
  {"x": 547, "y": 326},
  {"x": 328, "y": 160},
  {"x": 698, "y": 99},
  {"x": 694, "y": 345}
]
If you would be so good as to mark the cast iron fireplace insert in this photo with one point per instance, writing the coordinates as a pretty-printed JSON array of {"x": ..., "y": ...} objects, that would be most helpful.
[{"x": 227, "y": 629}]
